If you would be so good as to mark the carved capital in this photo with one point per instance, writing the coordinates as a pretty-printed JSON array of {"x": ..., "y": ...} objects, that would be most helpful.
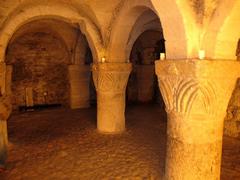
[
  {"x": 197, "y": 87},
  {"x": 111, "y": 77}
]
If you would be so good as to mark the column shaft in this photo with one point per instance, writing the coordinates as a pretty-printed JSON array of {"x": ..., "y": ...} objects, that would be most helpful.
[
  {"x": 145, "y": 78},
  {"x": 5, "y": 109}
]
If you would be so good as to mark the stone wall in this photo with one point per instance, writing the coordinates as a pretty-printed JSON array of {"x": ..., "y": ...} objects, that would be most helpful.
[{"x": 40, "y": 61}]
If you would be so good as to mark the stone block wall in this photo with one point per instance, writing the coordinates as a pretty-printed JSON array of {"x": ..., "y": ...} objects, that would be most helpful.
[{"x": 40, "y": 61}]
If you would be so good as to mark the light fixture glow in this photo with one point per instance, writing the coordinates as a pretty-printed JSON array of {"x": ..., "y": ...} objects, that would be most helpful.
[
  {"x": 201, "y": 54},
  {"x": 103, "y": 60},
  {"x": 162, "y": 56}
]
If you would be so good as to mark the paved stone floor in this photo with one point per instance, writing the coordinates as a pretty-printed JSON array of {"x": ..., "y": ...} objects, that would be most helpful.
[{"x": 64, "y": 144}]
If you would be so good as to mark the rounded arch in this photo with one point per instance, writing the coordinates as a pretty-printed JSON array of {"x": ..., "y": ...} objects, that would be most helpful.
[
  {"x": 179, "y": 28},
  {"x": 152, "y": 42},
  {"x": 229, "y": 32},
  {"x": 122, "y": 27},
  {"x": 172, "y": 22},
  {"x": 147, "y": 21},
  {"x": 64, "y": 13},
  {"x": 55, "y": 32},
  {"x": 211, "y": 38}
]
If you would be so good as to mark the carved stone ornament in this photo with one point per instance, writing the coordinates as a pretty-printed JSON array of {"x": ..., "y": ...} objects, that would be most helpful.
[
  {"x": 197, "y": 86},
  {"x": 111, "y": 77}
]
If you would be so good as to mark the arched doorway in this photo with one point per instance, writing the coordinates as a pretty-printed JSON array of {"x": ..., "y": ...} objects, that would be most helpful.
[{"x": 49, "y": 66}]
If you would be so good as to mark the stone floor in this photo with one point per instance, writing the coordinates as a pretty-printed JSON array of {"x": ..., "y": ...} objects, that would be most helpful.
[{"x": 64, "y": 144}]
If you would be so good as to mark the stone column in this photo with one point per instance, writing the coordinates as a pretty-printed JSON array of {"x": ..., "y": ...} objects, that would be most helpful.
[
  {"x": 145, "y": 78},
  {"x": 196, "y": 94},
  {"x": 110, "y": 80},
  {"x": 5, "y": 109},
  {"x": 79, "y": 78}
]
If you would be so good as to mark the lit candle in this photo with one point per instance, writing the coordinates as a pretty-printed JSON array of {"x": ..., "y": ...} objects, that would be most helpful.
[
  {"x": 103, "y": 59},
  {"x": 162, "y": 56},
  {"x": 201, "y": 54}
]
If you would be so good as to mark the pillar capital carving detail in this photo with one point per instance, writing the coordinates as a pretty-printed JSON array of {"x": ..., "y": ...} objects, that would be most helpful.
[
  {"x": 196, "y": 94},
  {"x": 197, "y": 86},
  {"x": 111, "y": 77}
]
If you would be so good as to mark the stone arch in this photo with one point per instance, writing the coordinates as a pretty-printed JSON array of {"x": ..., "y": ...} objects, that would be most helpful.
[
  {"x": 68, "y": 14},
  {"x": 171, "y": 19},
  {"x": 229, "y": 31},
  {"x": 53, "y": 31},
  {"x": 214, "y": 28},
  {"x": 179, "y": 28},
  {"x": 122, "y": 27},
  {"x": 147, "y": 21}
]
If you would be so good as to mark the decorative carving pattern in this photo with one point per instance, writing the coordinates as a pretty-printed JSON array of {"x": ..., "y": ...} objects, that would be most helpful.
[
  {"x": 187, "y": 88},
  {"x": 182, "y": 95},
  {"x": 111, "y": 77}
]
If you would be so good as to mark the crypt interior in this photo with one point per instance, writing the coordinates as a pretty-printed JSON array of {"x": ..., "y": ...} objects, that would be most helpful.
[{"x": 120, "y": 89}]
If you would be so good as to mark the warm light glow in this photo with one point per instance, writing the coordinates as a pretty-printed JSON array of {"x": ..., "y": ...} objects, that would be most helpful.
[
  {"x": 162, "y": 56},
  {"x": 103, "y": 60},
  {"x": 201, "y": 54}
]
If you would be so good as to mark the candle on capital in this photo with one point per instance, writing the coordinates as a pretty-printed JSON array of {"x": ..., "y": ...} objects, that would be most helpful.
[
  {"x": 162, "y": 56},
  {"x": 103, "y": 59},
  {"x": 201, "y": 54}
]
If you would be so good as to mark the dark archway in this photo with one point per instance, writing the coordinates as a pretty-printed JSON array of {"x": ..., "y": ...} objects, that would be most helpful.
[
  {"x": 143, "y": 85},
  {"x": 47, "y": 56}
]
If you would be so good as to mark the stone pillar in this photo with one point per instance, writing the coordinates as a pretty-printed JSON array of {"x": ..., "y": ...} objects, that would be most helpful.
[
  {"x": 79, "y": 78},
  {"x": 145, "y": 78},
  {"x": 196, "y": 94},
  {"x": 110, "y": 80},
  {"x": 5, "y": 109}
]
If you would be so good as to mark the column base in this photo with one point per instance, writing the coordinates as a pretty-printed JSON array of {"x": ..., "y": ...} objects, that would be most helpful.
[{"x": 80, "y": 104}]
